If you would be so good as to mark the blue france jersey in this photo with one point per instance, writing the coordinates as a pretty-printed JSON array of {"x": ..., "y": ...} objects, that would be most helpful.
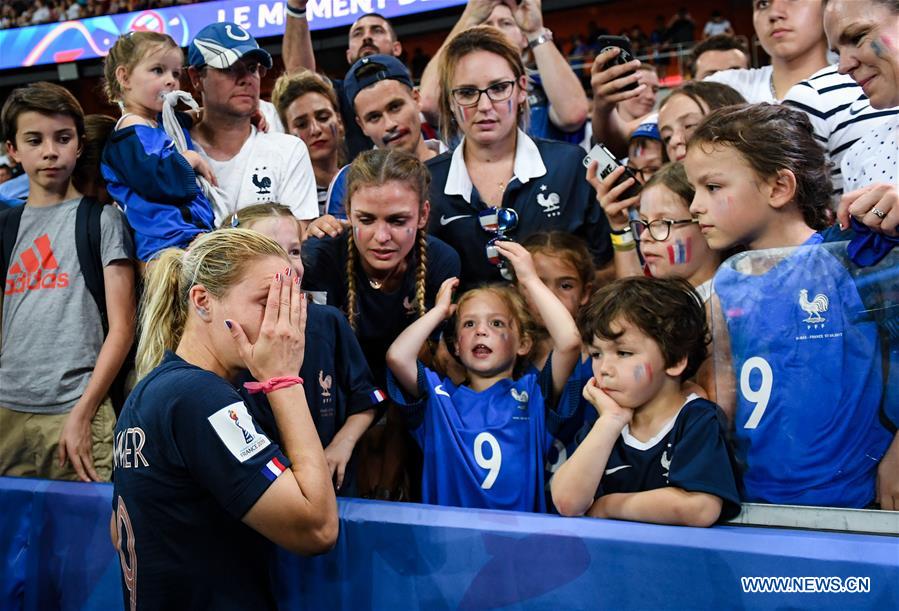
[
  {"x": 808, "y": 379},
  {"x": 156, "y": 188},
  {"x": 189, "y": 462},
  {"x": 481, "y": 449}
]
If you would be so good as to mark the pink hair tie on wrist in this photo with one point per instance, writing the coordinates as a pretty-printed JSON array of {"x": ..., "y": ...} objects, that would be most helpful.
[{"x": 272, "y": 385}]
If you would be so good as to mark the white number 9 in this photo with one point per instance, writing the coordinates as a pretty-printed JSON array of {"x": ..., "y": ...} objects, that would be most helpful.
[
  {"x": 493, "y": 463},
  {"x": 762, "y": 394}
]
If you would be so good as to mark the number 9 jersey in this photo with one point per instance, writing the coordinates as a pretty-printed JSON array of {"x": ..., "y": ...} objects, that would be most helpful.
[
  {"x": 481, "y": 449},
  {"x": 807, "y": 369}
]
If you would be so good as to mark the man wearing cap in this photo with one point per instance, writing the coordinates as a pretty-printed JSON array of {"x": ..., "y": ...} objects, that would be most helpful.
[
  {"x": 371, "y": 34},
  {"x": 387, "y": 109},
  {"x": 252, "y": 167}
]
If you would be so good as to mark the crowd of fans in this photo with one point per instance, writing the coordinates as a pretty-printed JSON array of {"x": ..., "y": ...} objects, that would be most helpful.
[
  {"x": 368, "y": 288},
  {"x": 18, "y": 13}
]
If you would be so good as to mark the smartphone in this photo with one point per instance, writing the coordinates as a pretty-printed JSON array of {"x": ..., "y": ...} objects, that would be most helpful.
[
  {"x": 607, "y": 165},
  {"x": 627, "y": 54}
]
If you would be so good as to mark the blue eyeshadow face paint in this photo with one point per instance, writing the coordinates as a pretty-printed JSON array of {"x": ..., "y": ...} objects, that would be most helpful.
[{"x": 878, "y": 49}]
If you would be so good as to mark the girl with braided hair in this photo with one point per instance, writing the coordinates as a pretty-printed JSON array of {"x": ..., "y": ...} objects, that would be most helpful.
[{"x": 384, "y": 272}]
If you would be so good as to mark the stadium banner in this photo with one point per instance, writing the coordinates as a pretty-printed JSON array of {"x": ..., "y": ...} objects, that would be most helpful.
[
  {"x": 68, "y": 41},
  {"x": 55, "y": 553}
]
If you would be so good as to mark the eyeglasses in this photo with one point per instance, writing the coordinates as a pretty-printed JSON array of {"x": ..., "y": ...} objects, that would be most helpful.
[
  {"x": 239, "y": 70},
  {"x": 659, "y": 229},
  {"x": 497, "y": 92},
  {"x": 644, "y": 174},
  {"x": 498, "y": 221}
]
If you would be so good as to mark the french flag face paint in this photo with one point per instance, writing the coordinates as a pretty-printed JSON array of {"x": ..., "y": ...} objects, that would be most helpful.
[
  {"x": 273, "y": 469},
  {"x": 680, "y": 252},
  {"x": 643, "y": 373}
]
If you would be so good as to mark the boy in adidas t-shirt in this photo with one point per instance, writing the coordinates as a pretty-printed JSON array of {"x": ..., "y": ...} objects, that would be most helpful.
[
  {"x": 56, "y": 420},
  {"x": 657, "y": 453}
]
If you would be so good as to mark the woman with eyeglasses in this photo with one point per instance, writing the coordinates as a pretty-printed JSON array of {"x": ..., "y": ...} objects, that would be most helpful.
[{"x": 495, "y": 166}]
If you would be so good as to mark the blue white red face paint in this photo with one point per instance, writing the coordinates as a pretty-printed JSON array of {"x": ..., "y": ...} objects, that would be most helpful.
[
  {"x": 643, "y": 373},
  {"x": 681, "y": 252}
]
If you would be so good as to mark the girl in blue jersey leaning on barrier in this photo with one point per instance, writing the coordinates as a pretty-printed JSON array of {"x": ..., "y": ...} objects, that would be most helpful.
[
  {"x": 485, "y": 441},
  {"x": 155, "y": 184},
  {"x": 803, "y": 337}
]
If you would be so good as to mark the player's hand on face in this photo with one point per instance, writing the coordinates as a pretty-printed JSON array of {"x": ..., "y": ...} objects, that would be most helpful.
[
  {"x": 327, "y": 225},
  {"x": 338, "y": 455},
  {"x": 606, "y": 406},
  {"x": 887, "y": 484},
  {"x": 75, "y": 445},
  {"x": 876, "y": 206},
  {"x": 444, "y": 300},
  {"x": 521, "y": 260},
  {"x": 279, "y": 349},
  {"x": 607, "y": 83},
  {"x": 607, "y": 194}
]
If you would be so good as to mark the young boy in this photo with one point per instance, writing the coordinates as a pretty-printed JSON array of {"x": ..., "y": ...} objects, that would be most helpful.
[
  {"x": 56, "y": 368},
  {"x": 656, "y": 453}
]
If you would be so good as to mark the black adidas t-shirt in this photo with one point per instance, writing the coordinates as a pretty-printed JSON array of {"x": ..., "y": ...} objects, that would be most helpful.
[{"x": 189, "y": 463}]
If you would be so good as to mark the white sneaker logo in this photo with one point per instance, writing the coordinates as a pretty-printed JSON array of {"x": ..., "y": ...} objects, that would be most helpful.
[
  {"x": 446, "y": 220},
  {"x": 438, "y": 390}
]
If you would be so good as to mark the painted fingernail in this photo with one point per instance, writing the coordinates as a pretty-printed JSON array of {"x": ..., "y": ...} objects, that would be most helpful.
[
  {"x": 228, "y": 323},
  {"x": 277, "y": 277},
  {"x": 303, "y": 296},
  {"x": 296, "y": 280},
  {"x": 287, "y": 271}
]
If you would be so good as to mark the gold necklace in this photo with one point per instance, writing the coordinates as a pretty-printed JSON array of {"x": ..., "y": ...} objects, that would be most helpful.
[{"x": 375, "y": 284}]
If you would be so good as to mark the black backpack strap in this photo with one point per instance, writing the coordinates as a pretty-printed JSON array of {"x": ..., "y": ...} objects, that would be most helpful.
[
  {"x": 9, "y": 231},
  {"x": 88, "y": 236}
]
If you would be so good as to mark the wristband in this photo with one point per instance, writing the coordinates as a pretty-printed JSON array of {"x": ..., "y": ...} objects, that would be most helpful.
[
  {"x": 295, "y": 12},
  {"x": 623, "y": 241},
  {"x": 625, "y": 248},
  {"x": 620, "y": 231},
  {"x": 272, "y": 385},
  {"x": 544, "y": 36}
]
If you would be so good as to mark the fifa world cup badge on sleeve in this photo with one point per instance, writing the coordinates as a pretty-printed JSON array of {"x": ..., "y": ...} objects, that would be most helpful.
[{"x": 234, "y": 426}]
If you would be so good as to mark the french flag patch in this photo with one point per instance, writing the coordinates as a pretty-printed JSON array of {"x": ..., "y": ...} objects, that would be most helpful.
[
  {"x": 273, "y": 469},
  {"x": 377, "y": 396}
]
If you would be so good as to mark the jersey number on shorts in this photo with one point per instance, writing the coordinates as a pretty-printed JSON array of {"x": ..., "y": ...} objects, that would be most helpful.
[
  {"x": 493, "y": 463},
  {"x": 761, "y": 395}
]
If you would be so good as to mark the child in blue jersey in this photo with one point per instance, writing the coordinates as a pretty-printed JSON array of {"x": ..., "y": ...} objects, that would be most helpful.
[
  {"x": 484, "y": 441},
  {"x": 657, "y": 453},
  {"x": 340, "y": 388},
  {"x": 802, "y": 371},
  {"x": 155, "y": 185},
  {"x": 563, "y": 264}
]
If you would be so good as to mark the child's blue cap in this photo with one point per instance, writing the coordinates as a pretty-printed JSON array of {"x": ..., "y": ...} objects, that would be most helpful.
[
  {"x": 647, "y": 130},
  {"x": 219, "y": 45}
]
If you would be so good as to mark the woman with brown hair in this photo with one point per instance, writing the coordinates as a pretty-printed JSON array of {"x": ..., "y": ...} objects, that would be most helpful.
[{"x": 384, "y": 270}]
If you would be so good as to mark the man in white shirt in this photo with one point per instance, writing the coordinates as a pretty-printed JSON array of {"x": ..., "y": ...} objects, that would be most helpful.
[{"x": 226, "y": 67}]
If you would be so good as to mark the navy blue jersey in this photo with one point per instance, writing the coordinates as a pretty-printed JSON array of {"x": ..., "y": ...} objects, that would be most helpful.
[
  {"x": 381, "y": 316},
  {"x": 549, "y": 192},
  {"x": 690, "y": 452},
  {"x": 156, "y": 188},
  {"x": 337, "y": 381},
  {"x": 189, "y": 463},
  {"x": 481, "y": 449},
  {"x": 540, "y": 125},
  {"x": 335, "y": 204},
  {"x": 807, "y": 366}
]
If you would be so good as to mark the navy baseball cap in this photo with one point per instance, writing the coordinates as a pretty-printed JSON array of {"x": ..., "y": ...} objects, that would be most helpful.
[
  {"x": 374, "y": 68},
  {"x": 221, "y": 44}
]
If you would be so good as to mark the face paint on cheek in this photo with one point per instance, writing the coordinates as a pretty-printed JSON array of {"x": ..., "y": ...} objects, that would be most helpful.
[
  {"x": 509, "y": 105},
  {"x": 878, "y": 49},
  {"x": 888, "y": 42},
  {"x": 643, "y": 373},
  {"x": 356, "y": 232},
  {"x": 334, "y": 131},
  {"x": 680, "y": 252}
]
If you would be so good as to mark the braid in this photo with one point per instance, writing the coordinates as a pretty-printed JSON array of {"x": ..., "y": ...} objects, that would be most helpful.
[
  {"x": 351, "y": 280},
  {"x": 420, "y": 274}
]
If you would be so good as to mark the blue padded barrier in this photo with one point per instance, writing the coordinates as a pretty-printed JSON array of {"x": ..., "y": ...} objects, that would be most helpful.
[{"x": 56, "y": 554}]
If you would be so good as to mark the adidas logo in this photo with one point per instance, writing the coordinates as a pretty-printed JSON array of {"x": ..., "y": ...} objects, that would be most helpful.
[{"x": 35, "y": 269}]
